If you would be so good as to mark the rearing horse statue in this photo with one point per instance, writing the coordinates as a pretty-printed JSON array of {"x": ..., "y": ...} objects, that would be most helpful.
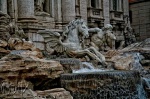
[{"x": 71, "y": 41}]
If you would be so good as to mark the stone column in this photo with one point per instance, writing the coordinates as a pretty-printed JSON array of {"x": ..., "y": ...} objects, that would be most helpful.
[
  {"x": 89, "y": 3},
  {"x": 83, "y": 9},
  {"x": 3, "y": 6},
  {"x": 68, "y": 10},
  {"x": 126, "y": 7},
  {"x": 58, "y": 14},
  {"x": 25, "y": 9},
  {"x": 106, "y": 12},
  {"x": 52, "y": 8},
  {"x": 100, "y": 4},
  {"x": 111, "y": 5},
  {"x": 120, "y": 5}
]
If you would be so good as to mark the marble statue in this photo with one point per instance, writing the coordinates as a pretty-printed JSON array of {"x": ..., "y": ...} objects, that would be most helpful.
[
  {"x": 128, "y": 32},
  {"x": 39, "y": 4},
  {"x": 109, "y": 36},
  {"x": 12, "y": 37},
  {"x": 4, "y": 27},
  {"x": 104, "y": 39},
  {"x": 39, "y": 8},
  {"x": 72, "y": 40},
  {"x": 97, "y": 39}
]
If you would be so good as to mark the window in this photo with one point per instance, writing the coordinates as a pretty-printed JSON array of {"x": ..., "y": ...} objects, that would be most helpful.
[
  {"x": 115, "y": 4},
  {"x": 93, "y": 3}
]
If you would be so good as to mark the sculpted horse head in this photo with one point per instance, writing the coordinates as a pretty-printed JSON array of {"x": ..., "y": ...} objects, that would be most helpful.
[{"x": 76, "y": 26}]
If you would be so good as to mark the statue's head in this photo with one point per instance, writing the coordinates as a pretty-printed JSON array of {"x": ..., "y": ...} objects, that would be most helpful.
[{"x": 82, "y": 28}]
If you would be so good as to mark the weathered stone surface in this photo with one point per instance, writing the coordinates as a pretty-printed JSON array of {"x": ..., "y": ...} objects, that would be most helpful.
[
  {"x": 29, "y": 68},
  {"x": 125, "y": 59},
  {"x": 70, "y": 64},
  {"x": 3, "y": 43},
  {"x": 57, "y": 93},
  {"x": 143, "y": 46},
  {"x": 111, "y": 53},
  {"x": 2, "y": 50},
  {"x": 122, "y": 62},
  {"x": 25, "y": 8}
]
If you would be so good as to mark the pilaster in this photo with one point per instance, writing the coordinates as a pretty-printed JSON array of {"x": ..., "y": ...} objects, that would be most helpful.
[
  {"x": 106, "y": 12},
  {"x": 3, "y": 6}
]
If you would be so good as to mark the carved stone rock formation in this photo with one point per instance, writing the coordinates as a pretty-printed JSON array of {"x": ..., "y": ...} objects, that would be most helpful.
[
  {"x": 15, "y": 68},
  {"x": 125, "y": 59},
  {"x": 57, "y": 93}
]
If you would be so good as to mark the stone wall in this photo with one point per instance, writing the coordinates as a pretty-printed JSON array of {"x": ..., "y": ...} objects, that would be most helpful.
[
  {"x": 55, "y": 14},
  {"x": 140, "y": 13}
]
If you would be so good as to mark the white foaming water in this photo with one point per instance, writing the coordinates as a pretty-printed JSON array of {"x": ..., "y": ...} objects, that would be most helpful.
[
  {"x": 146, "y": 82},
  {"x": 136, "y": 65},
  {"x": 88, "y": 67}
]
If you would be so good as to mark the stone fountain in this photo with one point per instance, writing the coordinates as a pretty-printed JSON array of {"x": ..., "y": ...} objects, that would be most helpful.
[
  {"x": 26, "y": 73},
  {"x": 111, "y": 75}
]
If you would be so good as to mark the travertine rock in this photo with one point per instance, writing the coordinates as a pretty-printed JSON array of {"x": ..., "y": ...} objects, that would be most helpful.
[
  {"x": 57, "y": 93},
  {"x": 122, "y": 62},
  {"x": 29, "y": 68},
  {"x": 130, "y": 58},
  {"x": 2, "y": 50},
  {"x": 3, "y": 43},
  {"x": 143, "y": 46}
]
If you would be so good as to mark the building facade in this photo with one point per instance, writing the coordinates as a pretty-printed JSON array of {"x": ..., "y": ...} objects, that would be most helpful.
[
  {"x": 140, "y": 18},
  {"x": 34, "y": 15}
]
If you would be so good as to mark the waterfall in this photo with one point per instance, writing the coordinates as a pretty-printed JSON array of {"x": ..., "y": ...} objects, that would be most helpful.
[
  {"x": 136, "y": 65},
  {"x": 104, "y": 85},
  {"x": 88, "y": 67}
]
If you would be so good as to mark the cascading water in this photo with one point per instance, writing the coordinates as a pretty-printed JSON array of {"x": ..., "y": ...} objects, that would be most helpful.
[
  {"x": 91, "y": 83},
  {"x": 104, "y": 85},
  {"x": 146, "y": 82},
  {"x": 136, "y": 65},
  {"x": 88, "y": 67}
]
